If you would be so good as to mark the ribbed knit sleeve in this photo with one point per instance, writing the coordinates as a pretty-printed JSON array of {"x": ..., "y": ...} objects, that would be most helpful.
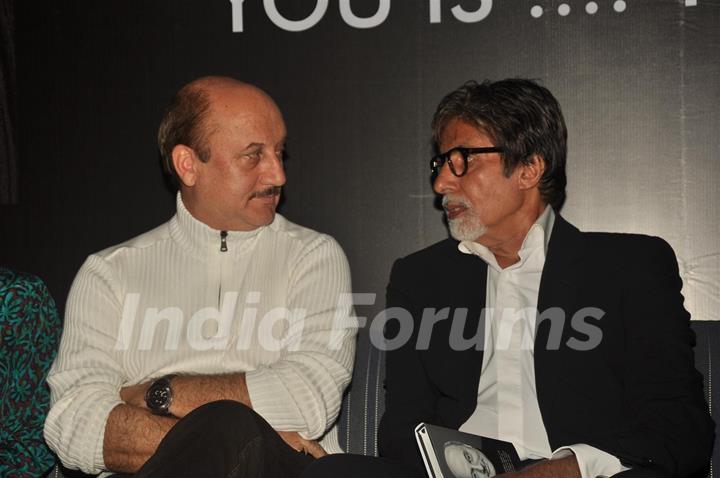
[
  {"x": 85, "y": 378},
  {"x": 303, "y": 390}
]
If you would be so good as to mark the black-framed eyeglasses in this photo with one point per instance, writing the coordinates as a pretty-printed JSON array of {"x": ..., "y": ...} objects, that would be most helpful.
[{"x": 459, "y": 157}]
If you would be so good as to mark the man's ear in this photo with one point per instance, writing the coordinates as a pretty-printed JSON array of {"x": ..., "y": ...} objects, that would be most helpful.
[
  {"x": 531, "y": 173},
  {"x": 185, "y": 161}
]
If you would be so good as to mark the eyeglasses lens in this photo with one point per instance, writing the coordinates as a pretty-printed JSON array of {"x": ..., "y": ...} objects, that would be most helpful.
[{"x": 457, "y": 162}]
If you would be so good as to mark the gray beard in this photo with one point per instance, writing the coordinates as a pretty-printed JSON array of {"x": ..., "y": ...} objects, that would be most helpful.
[{"x": 469, "y": 228}]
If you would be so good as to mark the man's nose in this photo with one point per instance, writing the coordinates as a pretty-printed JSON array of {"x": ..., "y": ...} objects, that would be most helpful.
[
  {"x": 275, "y": 172},
  {"x": 445, "y": 181}
]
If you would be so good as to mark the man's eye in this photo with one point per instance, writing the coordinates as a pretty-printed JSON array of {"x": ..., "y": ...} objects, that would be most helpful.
[
  {"x": 253, "y": 157},
  {"x": 467, "y": 456}
]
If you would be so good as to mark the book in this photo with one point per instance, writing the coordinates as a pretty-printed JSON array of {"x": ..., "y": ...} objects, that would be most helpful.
[{"x": 449, "y": 453}]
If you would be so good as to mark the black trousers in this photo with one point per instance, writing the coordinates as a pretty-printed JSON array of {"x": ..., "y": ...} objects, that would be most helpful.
[
  {"x": 360, "y": 466},
  {"x": 223, "y": 439}
]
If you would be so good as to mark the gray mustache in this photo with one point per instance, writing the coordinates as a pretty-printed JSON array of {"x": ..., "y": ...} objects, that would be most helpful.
[
  {"x": 271, "y": 191},
  {"x": 460, "y": 201}
]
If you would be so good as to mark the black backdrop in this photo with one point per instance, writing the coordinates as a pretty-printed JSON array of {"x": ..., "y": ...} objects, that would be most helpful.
[
  {"x": 640, "y": 89},
  {"x": 639, "y": 81}
]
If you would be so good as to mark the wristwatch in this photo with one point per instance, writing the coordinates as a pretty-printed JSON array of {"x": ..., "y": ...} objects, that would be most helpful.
[{"x": 160, "y": 395}]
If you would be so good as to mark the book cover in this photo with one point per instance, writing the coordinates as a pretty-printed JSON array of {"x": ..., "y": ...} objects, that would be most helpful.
[{"x": 449, "y": 453}]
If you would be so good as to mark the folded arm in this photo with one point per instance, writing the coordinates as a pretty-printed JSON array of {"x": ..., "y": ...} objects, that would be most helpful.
[
  {"x": 87, "y": 375},
  {"x": 302, "y": 391},
  {"x": 190, "y": 392},
  {"x": 123, "y": 455}
]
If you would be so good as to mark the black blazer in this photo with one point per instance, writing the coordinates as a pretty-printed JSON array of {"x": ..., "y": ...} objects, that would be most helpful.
[{"x": 624, "y": 382}]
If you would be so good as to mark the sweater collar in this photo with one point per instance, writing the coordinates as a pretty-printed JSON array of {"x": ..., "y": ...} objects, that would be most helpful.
[{"x": 196, "y": 236}]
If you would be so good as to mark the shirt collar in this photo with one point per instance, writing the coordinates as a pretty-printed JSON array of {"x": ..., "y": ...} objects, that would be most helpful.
[{"x": 538, "y": 236}]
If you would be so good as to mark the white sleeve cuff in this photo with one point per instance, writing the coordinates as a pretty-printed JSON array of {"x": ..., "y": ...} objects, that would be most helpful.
[{"x": 592, "y": 462}]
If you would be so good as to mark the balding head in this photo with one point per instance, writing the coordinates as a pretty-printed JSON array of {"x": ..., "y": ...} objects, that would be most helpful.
[
  {"x": 223, "y": 143},
  {"x": 188, "y": 120}
]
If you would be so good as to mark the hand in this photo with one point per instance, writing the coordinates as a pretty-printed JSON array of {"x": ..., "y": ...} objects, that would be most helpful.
[
  {"x": 135, "y": 394},
  {"x": 566, "y": 467},
  {"x": 298, "y": 443}
]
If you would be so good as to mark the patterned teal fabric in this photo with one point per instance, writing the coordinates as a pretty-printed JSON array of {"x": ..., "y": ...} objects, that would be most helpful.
[{"x": 29, "y": 335}]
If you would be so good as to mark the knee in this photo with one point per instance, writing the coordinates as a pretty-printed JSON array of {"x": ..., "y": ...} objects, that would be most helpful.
[
  {"x": 226, "y": 409},
  {"x": 227, "y": 418}
]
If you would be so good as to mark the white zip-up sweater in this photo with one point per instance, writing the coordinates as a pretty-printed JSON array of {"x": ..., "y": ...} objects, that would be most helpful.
[{"x": 185, "y": 298}]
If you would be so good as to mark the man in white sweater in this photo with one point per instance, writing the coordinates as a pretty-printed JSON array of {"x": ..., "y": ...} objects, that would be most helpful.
[{"x": 206, "y": 346}]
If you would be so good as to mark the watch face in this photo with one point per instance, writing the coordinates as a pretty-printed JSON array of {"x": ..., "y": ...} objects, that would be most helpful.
[{"x": 158, "y": 397}]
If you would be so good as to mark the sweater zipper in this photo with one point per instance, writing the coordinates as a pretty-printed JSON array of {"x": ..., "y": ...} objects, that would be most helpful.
[
  {"x": 223, "y": 241},
  {"x": 223, "y": 248}
]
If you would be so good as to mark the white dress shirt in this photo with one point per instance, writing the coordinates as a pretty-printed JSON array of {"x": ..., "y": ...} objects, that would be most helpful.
[{"x": 507, "y": 406}]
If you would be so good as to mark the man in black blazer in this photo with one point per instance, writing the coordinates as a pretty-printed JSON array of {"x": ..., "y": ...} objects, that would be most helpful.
[
  {"x": 636, "y": 394},
  {"x": 612, "y": 355},
  {"x": 574, "y": 346}
]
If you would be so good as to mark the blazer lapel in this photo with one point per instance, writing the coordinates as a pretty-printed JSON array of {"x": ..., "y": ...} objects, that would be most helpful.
[
  {"x": 557, "y": 300},
  {"x": 467, "y": 293},
  {"x": 475, "y": 286}
]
